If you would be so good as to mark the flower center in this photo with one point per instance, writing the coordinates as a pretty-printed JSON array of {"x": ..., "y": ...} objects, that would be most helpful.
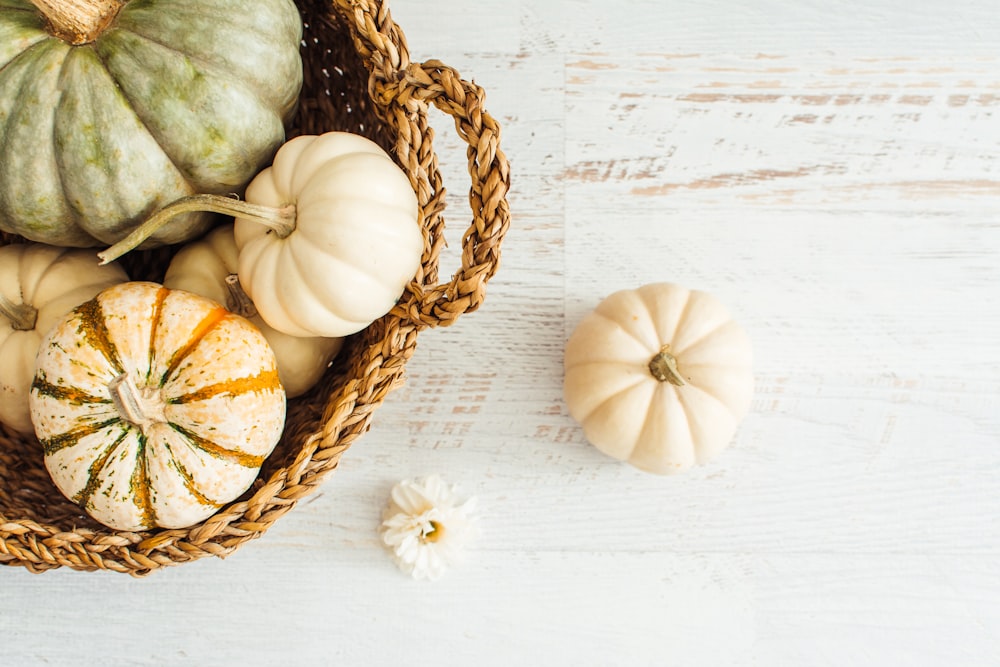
[{"x": 433, "y": 532}]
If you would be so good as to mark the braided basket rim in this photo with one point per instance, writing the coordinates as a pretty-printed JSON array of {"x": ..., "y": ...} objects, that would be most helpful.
[{"x": 393, "y": 111}]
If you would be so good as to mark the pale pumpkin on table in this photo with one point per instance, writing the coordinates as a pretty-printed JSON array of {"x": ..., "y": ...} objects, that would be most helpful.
[
  {"x": 38, "y": 285},
  {"x": 659, "y": 376},
  {"x": 155, "y": 407},
  {"x": 111, "y": 109}
]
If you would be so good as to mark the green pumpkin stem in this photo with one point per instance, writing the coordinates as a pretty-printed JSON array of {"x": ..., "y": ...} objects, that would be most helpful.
[
  {"x": 22, "y": 316},
  {"x": 78, "y": 21},
  {"x": 280, "y": 220},
  {"x": 663, "y": 367}
]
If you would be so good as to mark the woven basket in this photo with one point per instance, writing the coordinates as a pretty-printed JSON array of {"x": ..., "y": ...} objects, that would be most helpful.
[{"x": 358, "y": 78}]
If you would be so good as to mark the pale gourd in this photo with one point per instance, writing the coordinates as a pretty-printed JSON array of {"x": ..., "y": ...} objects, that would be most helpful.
[
  {"x": 111, "y": 109},
  {"x": 659, "y": 376},
  {"x": 208, "y": 267},
  {"x": 154, "y": 407},
  {"x": 38, "y": 285},
  {"x": 329, "y": 235},
  {"x": 355, "y": 244}
]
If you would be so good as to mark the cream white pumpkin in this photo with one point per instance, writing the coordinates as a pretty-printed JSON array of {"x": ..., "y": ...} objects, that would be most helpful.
[
  {"x": 38, "y": 285},
  {"x": 355, "y": 244},
  {"x": 208, "y": 267},
  {"x": 659, "y": 376},
  {"x": 328, "y": 237},
  {"x": 155, "y": 407}
]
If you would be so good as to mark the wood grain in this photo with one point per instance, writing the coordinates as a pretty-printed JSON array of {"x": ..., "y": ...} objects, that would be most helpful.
[{"x": 829, "y": 171}]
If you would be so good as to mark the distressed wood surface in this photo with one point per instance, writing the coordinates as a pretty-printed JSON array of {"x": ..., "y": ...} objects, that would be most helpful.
[{"x": 828, "y": 170}]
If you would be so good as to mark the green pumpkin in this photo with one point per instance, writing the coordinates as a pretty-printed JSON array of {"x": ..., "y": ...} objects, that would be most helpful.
[{"x": 168, "y": 98}]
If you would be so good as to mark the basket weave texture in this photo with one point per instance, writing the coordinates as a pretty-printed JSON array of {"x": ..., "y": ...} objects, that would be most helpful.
[{"x": 358, "y": 78}]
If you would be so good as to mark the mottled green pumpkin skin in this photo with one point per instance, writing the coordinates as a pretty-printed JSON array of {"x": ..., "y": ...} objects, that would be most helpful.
[{"x": 175, "y": 97}]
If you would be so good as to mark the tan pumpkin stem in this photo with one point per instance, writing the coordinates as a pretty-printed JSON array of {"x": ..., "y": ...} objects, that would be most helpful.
[
  {"x": 281, "y": 220},
  {"x": 22, "y": 316},
  {"x": 79, "y": 21},
  {"x": 237, "y": 300},
  {"x": 137, "y": 407},
  {"x": 663, "y": 367}
]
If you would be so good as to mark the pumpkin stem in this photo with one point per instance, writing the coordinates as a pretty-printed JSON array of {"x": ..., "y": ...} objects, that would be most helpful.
[
  {"x": 281, "y": 220},
  {"x": 663, "y": 367},
  {"x": 140, "y": 408},
  {"x": 78, "y": 21},
  {"x": 237, "y": 300},
  {"x": 22, "y": 316}
]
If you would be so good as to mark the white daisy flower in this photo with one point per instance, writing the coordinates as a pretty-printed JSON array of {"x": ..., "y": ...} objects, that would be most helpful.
[{"x": 427, "y": 527}]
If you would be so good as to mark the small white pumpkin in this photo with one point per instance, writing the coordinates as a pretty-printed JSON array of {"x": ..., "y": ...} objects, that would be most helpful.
[
  {"x": 328, "y": 237},
  {"x": 208, "y": 267},
  {"x": 355, "y": 244},
  {"x": 659, "y": 376},
  {"x": 155, "y": 407},
  {"x": 38, "y": 285}
]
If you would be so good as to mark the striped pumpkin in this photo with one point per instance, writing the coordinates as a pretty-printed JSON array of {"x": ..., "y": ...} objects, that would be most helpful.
[{"x": 154, "y": 407}]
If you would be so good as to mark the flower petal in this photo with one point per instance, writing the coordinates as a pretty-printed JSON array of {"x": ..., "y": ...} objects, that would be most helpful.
[{"x": 426, "y": 526}]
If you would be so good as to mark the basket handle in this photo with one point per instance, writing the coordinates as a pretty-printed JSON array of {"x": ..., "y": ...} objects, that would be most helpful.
[{"x": 405, "y": 94}]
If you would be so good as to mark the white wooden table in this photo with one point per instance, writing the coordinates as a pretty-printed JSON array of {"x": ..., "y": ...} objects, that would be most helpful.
[{"x": 829, "y": 171}]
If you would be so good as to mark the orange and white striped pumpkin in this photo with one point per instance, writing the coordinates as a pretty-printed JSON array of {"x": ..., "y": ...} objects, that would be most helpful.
[{"x": 155, "y": 407}]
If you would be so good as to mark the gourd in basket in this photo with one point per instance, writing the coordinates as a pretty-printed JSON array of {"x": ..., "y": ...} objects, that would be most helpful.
[
  {"x": 110, "y": 109},
  {"x": 357, "y": 77},
  {"x": 327, "y": 238},
  {"x": 161, "y": 412}
]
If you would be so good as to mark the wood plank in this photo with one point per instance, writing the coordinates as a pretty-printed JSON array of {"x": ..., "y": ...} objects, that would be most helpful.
[{"x": 830, "y": 171}]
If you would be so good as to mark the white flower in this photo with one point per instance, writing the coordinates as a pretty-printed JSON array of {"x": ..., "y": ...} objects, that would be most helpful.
[{"x": 427, "y": 527}]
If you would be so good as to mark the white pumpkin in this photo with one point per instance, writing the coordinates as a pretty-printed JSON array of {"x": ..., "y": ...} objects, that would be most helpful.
[
  {"x": 208, "y": 267},
  {"x": 38, "y": 285},
  {"x": 329, "y": 235},
  {"x": 659, "y": 376},
  {"x": 154, "y": 407},
  {"x": 355, "y": 244}
]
